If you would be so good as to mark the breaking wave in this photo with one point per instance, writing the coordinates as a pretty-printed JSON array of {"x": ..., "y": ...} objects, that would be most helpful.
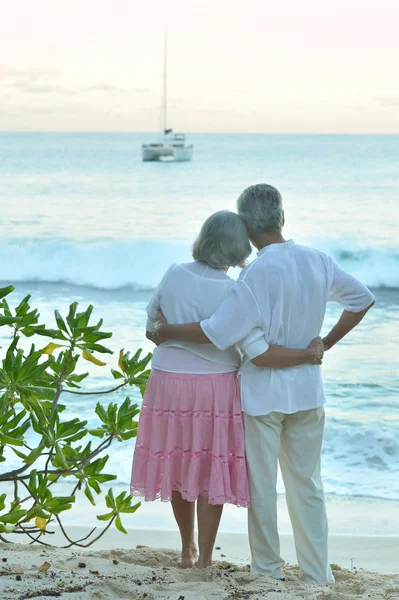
[{"x": 140, "y": 264}]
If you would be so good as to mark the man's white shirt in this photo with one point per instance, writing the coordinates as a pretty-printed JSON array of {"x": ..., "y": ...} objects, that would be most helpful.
[{"x": 284, "y": 292}]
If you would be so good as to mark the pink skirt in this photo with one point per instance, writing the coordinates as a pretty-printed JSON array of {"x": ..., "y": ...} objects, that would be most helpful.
[{"x": 191, "y": 440}]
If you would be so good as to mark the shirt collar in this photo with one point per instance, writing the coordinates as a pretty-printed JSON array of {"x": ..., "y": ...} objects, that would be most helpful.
[{"x": 277, "y": 247}]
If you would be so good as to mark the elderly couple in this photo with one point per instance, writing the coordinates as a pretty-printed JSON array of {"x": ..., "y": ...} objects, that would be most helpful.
[{"x": 249, "y": 346}]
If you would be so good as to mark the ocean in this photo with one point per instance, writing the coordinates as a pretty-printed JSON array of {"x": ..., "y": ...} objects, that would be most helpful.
[{"x": 82, "y": 218}]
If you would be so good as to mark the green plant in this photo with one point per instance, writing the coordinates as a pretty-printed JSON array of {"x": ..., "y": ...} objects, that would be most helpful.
[{"x": 35, "y": 428}]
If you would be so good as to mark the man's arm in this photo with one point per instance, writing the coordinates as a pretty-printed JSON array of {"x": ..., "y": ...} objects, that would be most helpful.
[
  {"x": 233, "y": 320},
  {"x": 189, "y": 332},
  {"x": 353, "y": 295},
  {"x": 346, "y": 323},
  {"x": 275, "y": 356},
  {"x": 279, "y": 357}
]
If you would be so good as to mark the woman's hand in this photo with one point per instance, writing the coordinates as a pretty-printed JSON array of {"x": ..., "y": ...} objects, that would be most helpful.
[
  {"x": 161, "y": 317},
  {"x": 316, "y": 348},
  {"x": 157, "y": 328}
]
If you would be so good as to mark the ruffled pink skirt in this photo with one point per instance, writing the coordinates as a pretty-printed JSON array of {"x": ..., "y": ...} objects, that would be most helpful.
[{"x": 191, "y": 439}]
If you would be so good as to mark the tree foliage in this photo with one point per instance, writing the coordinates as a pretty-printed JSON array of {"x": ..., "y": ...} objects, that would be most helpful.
[{"x": 51, "y": 448}]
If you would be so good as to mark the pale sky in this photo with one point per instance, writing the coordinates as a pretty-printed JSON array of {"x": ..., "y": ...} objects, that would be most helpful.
[{"x": 239, "y": 66}]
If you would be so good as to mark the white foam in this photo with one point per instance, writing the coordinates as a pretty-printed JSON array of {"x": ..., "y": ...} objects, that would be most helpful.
[{"x": 140, "y": 264}]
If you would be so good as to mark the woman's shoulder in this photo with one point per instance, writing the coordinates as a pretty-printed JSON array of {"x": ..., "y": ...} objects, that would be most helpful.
[{"x": 206, "y": 272}]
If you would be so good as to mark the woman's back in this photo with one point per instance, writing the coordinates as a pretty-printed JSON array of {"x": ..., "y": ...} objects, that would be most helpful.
[
  {"x": 188, "y": 293},
  {"x": 193, "y": 291}
]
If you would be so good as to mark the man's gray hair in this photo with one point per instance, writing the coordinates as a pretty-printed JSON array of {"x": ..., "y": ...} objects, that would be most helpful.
[
  {"x": 261, "y": 207},
  {"x": 223, "y": 241}
]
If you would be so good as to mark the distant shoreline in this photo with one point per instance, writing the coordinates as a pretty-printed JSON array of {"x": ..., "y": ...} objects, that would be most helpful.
[{"x": 152, "y": 133}]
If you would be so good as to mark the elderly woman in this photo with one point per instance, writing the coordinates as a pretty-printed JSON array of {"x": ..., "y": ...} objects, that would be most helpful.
[{"x": 190, "y": 444}]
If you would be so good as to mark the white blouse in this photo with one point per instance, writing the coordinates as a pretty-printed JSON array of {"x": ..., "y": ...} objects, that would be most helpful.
[{"x": 190, "y": 293}]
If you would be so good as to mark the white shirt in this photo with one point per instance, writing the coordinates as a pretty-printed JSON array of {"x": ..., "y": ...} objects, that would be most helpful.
[
  {"x": 284, "y": 292},
  {"x": 189, "y": 293}
]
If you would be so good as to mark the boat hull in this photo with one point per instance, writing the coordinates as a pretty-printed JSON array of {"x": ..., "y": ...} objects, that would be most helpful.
[{"x": 157, "y": 152}]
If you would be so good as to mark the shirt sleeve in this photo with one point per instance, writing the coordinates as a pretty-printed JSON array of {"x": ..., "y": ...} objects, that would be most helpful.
[
  {"x": 347, "y": 290},
  {"x": 155, "y": 303},
  {"x": 150, "y": 324},
  {"x": 234, "y": 319},
  {"x": 254, "y": 344}
]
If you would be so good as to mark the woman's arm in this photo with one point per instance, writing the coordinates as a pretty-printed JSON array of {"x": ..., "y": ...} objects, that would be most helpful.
[
  {"x": 154, "y": 306},
  {"x": 279, "y": 357}
]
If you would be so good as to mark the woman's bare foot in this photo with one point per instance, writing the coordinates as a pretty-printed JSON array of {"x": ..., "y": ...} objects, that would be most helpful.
[
  {"x": 203, "y": 564},
  {"x": 188, "y": 559}
]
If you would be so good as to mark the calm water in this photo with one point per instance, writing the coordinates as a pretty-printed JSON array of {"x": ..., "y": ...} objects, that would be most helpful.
[{"x": 82, "y": 218}]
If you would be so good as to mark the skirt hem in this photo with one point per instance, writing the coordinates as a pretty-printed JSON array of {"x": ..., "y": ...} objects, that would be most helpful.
[{"x": 143, "y": 493}]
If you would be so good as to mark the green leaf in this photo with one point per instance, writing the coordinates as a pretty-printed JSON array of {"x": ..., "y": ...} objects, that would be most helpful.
[
  {"x": 128, "y": 435},
  {"x": 89, "y": 495},
  {"x": 97, "y": 432},
  {"x": 119, "y": 525},
  {"x": 93, "y": 483},
  {"x": 101, "y": 412},
  {"x": 95, "y": 348},
  {"x": 34, "y": 455},
  {"x": 60, "y": 458},
  {"x": 117, "y": 374},
  {"x": 56, "y": 334},
  {"x": 71, "y": 315},
  {"x": 13, "y": 517},
  {"x": 6, "y": 290},
  {"x": 7, "y": 439},
  {"x": 19, "y": 454},
  {"x": 39, "y": 512},
  {"x": 8, "y": 320},
  {"x": 60, "y": 322},
  {"x": 95, "y": 336},
  {"x": 59, "y": 504},
  {"x": 131, "y": 509},
  {"x": 103, "y": 478},
  {"x": 106, "y": 517},
  {"x": 110, "y": 500},
  {"x": 82, "y": 319}
]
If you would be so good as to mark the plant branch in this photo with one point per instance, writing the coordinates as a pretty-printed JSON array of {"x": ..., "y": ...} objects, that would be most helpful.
[
  {"x": 33, "y": 538},
  {"x": 61, "y": 379},
  {"x": 118, "y": 387},
  {"x": 72, "y": 543},
  {"x": 15, "y": 490},
  {"x": 11, "y": 475}
]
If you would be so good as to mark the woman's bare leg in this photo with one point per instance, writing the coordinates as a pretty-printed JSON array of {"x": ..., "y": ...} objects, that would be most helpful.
[
  {"x": 184, "y": 512},
  {"x": 208, "y": 523}
]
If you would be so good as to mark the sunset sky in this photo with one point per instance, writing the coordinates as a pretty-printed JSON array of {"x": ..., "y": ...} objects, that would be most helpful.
[{"x": 256, "y": 66}]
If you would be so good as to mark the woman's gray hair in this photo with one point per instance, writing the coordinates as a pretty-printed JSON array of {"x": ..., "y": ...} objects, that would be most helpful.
[
  {"x": 261, "y": 207},
  {"x": 223, "y": 241}
]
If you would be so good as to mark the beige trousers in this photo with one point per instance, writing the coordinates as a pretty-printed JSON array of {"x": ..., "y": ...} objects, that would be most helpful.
[{"x": 294, "y": 440}]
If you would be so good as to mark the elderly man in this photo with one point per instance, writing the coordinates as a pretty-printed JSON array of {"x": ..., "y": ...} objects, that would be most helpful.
[{"x": 284, "y": 291}]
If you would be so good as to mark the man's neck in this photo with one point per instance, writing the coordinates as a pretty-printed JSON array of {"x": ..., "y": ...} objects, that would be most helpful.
[{"x": 266, "y": 239}]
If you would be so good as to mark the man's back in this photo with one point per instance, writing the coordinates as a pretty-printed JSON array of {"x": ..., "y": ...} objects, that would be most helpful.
[
  {"x": 285, "y": 292},
  {"x": 290, "y": 284}
]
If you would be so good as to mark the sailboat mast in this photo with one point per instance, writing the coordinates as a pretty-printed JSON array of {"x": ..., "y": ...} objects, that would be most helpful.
[{"x": 165, "y": 88}]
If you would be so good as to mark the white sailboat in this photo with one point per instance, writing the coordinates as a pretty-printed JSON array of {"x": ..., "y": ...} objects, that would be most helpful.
[{"x": 173, "y": 147}]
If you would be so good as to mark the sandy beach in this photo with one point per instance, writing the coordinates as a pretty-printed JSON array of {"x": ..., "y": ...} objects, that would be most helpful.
[{"x": 364, "y": 567}]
